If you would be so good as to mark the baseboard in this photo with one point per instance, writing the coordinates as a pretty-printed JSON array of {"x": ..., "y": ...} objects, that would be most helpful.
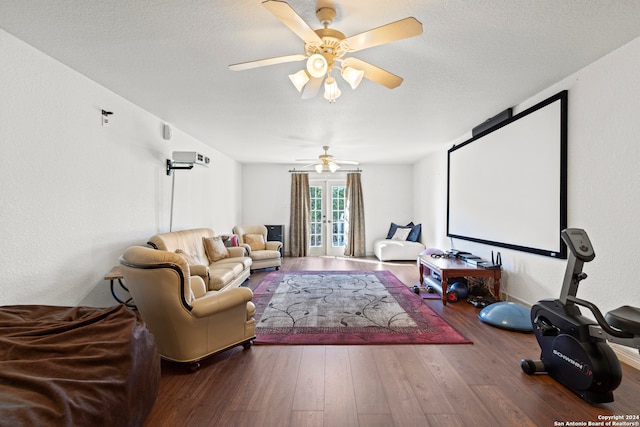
[
  {"x": 626, "y": 355},
  {"x": 506, "y": 297}
]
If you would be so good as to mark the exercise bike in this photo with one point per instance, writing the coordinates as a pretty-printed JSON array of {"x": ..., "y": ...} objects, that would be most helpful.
[{"x": 574, "y": 348}]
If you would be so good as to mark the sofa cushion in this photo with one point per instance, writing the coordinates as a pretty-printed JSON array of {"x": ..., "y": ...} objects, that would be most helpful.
[
  {"x": 215, "y": 249},
  {"x": 220, "y": 277},
  {"x": 230, "y": 240},
  {"x": 245, "y": 262},
  {"x": 401, "y": 233},
  {"x": 392, "y": 230},
  {"x": 234, "y": 267},
  {"x": 255, "y": 241},
  {"x": 260, "y": 255},
  {"x": 415, "y": 233}
]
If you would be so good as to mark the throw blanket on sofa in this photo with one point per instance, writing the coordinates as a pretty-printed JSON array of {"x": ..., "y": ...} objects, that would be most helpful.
[{"x": 75, "y": 366}]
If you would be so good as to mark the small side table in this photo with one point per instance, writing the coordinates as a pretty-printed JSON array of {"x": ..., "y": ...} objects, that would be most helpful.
[
  {"x": 116, "y": 274},
  {"x": 451, "y": 267}
]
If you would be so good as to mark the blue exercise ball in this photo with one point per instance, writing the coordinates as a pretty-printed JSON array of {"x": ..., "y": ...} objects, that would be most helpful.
[
  {"x": 459, "y": 288},
  {"x": 507, "y": 315}
]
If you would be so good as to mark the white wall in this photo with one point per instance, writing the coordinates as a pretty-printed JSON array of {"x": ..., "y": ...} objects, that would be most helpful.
[
  {"x": 387, "y": 189},
  {"x": 603, "y": 182},
  {"x": 265, "y": 195},
  {"x": 76, "y": 194}
]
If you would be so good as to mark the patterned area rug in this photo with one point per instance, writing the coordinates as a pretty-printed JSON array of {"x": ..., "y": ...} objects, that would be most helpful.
[{"x": 345, "y": 308}]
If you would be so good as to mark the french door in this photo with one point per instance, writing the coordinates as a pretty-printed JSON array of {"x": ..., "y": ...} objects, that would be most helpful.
[{"x": 327, "y": 218}]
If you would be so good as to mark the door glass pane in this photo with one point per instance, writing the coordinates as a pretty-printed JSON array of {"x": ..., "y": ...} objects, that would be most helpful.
[
  {"x": 337, "y": 215},
  {"x": 316, "y": 216}
]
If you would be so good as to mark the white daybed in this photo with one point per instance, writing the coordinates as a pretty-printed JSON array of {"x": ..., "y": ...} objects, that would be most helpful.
[{"x": 397, "y": 250}]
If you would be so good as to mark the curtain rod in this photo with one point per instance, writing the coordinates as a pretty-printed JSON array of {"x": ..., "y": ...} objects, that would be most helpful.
[{"x": 340, "y": 170}]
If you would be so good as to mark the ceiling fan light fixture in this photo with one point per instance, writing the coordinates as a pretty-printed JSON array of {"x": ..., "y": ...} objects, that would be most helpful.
[
  {"x": 325, "y": 47},
  {"x": 352, "y": 76},
  {"x": 319, "y": 168},
  {"x": 331, "y": 90},
  {"x": 333, "y": 167},
  {"x": 317, "y": 65},
  {"x": 299, "y": 79}
]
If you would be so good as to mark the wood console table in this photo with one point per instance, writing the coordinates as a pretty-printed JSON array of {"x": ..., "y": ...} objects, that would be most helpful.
[{"x": 453, "y": 267}]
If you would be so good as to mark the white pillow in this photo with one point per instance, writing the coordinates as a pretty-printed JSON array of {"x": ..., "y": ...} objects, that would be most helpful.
[{"x": 401, "y": 234}]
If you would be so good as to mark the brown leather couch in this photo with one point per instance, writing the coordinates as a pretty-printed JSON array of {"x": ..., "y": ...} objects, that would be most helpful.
[
  {"x": 227, "y": 272},
  {"x": 187, "y": 321}
]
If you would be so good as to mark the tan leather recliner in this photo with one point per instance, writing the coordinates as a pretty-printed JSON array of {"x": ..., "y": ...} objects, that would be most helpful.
[
  {"x": 187, "y": 321},
  {"x": 263, "y": 254}
]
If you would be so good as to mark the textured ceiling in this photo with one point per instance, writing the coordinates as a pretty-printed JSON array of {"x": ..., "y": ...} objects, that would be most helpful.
[{"x": 474, "y": 59}]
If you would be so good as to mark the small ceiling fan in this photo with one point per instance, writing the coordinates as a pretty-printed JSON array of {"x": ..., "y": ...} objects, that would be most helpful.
[
  {"x": 325, "y": 50},
  {"x": 327, "y": 161}
]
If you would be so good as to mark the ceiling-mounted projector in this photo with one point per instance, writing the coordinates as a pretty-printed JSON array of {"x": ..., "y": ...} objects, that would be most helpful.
[
  {"x": 186, "y": 160},
  {"x": 190, "y": 157}
]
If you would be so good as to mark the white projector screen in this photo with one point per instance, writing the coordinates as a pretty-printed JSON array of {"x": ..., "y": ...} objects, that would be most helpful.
[{"x": 507, "y": 186}]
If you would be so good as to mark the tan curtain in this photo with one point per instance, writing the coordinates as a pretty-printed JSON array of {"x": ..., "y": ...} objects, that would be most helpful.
[
  {"x": 354, "y": 217},
  {"x": 300, "y": 217}
]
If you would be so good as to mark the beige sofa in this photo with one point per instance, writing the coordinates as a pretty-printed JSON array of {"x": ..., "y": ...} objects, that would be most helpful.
[{"x": 227, "y": 272}]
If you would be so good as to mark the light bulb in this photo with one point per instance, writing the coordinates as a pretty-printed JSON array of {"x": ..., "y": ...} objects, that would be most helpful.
[{"x": 317, "y": 65}]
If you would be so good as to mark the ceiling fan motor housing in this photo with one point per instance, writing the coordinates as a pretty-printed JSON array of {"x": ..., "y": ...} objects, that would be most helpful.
[
  {"x": 325, "y": 158},
  {"x": 331, "y": 46},
  {"x": 326, "y": 15}
]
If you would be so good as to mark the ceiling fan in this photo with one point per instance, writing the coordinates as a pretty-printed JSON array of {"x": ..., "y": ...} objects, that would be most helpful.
[
  {"x": 325, "y": 50},
  {"x": 327, "y": 161}
]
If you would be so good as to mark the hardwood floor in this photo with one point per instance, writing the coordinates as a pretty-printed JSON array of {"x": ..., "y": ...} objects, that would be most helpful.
[{"x": 380, "y": 385}]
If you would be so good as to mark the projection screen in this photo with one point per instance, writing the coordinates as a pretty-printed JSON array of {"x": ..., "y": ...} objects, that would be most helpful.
[{"x": 507, "y": 187}]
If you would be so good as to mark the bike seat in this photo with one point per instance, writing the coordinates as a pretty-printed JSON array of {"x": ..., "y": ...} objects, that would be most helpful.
[{"x": 625, "y": 318}]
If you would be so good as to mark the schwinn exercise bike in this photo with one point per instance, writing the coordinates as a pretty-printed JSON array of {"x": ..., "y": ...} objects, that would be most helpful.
[{"x": 574, "y": 348}]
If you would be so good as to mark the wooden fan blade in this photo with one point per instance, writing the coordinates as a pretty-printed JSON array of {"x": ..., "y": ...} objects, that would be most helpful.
[
  {"x": 312, "y": 88},
  {"x": 402, "y": 29},
  {"x": 373, "y": 73},
  {"x": 292, "y": 20},
  {"x": 267, "y": 61}
]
